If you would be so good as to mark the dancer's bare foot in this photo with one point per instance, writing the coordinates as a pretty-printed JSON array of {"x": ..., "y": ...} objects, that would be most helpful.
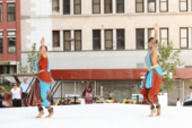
[
  {"x": 50, "y": 113},
  {"x": 158, "y": 110},
  {"x": 40, "y": 114},
  {"x": 153, "y": 111}
]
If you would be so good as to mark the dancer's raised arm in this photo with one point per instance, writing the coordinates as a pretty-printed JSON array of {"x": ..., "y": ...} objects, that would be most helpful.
[
  {"x": 43, "y": 47},
  {"x": 156, "y": 28}
]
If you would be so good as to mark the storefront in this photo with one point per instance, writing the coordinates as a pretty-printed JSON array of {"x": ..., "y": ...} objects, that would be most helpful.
[
  {"x": 7, "y": 67},
  {"x": 121, "y": 82}
]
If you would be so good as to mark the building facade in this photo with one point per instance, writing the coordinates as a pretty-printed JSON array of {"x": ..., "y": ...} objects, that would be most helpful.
[
  {"x": 10, "y": 36},
  {"x": 103, "y": 34}
]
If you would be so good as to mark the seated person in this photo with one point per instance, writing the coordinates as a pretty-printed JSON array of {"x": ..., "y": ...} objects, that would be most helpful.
[
  {"x": 64, "y": 102},
  {"x": 94, "y": 100},
  {"x": 179, "y": 102},
  {"x": 189, "y": 100}
]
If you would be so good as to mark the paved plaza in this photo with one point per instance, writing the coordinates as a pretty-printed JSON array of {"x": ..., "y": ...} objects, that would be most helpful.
[{"x": 97, "y": 116}]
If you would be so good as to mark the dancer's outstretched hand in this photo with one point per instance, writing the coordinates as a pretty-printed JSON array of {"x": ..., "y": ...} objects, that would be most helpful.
[
  {"x": 42, "y": 41},
  {"x": 156, "y": 27}
]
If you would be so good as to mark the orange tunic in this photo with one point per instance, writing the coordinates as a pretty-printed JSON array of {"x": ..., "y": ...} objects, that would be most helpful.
[
  {"x": 43, "y": 65},
  {"x": 150, "y": 95}
]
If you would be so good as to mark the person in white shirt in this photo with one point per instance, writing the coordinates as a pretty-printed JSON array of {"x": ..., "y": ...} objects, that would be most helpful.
[
  {"x": 16, "y": 96},
  {"x": 179, "y": 102},
  {"x": 24, "y": 86},
  {"x": 110, "y": 95}
]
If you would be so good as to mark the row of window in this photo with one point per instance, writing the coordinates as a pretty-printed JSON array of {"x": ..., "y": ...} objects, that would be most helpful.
[
  {"x": 120, "y": 38},
  {"x": 68, "y": 40},
  {"x": 8, "y": 69},
  {"x": 96, "y": 39},
  {"x": 120, "y": 5},
  {"x": 140, "y": 36},
  {"x": 163, "y": 5},
  {"x": 11, "y": 15},
  {"x": 11, "y": 42}
]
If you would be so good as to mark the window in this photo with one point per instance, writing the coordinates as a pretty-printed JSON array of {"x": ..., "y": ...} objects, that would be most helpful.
[
  {"x": 1, "y": 42},
  {"x": 163, "y": 5},
  {"x": 11, "y": 45},
  {"x": 96, "y": 6},
  {"x": 96, "y": 40},
  {"x": 1, "y": 12},
  {"x": 164, "y": 35},
  {"x": 120, "y": 6},
  {"x": 1, "y": 45},
  {"x": 109, "y": 39},
  {"x": 66, "y": 7},
  {"x": 120, "y": 39},
  {"x": 77, "y": 6},
  {"x": 184, "y": 37},
  {"x": 11, "y": 11},
  {"x": 140, "y": 39},
  {"x": 56, "y": 39},
  {"x": 151, "y": 33},
  {"x": 11, "y": 42},
  {"x": 183, "y": 5},
  {"x": 108, "y": 6},
  {"x": 55, "y": 6},
  {"x": 139, "y": 5},
  {"x": 10, "y": 69},
  {"x": 67, "y": 41},
  {"x": 77, "y": 40},
  {"x": 151, "y": 5}
]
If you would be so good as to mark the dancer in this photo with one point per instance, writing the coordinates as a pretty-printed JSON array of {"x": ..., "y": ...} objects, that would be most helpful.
[
  {"x": 154, "y": 76},
  {"x": 41, "y": 67}
]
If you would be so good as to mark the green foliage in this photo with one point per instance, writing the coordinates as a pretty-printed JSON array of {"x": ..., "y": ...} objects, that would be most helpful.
[
  {"x": 169, "y": 61},
  {"x": 32, "y": 57},
  {"x": 24, "y": 69},
  {"x": 7, "y": 89}
]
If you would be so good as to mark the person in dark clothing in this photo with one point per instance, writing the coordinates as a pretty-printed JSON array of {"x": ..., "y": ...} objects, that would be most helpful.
[{"x": 1, "y": 104}]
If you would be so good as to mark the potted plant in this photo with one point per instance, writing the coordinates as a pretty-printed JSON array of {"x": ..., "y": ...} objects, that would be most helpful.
[{"x": 5, "y": 91}]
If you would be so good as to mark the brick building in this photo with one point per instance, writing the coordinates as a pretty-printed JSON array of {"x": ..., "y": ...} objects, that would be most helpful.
[{"x": 10, "y": 36}]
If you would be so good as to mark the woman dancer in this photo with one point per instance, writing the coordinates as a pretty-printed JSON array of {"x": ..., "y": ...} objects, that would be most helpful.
[
  {"x": 41, "y": 67},
  {"x": 154, "y": 76}
]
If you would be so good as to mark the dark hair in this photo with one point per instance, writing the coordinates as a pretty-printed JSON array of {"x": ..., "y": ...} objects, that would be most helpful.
[
  {"x": 45, "y": 47},
  {"x": 151, "y": 39},
  {"x": 178, "y": 98},
  {"x": 190, "y": 87}
]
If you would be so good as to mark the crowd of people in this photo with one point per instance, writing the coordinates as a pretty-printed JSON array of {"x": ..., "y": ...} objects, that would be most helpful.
[{"x": 18, "y": 94}]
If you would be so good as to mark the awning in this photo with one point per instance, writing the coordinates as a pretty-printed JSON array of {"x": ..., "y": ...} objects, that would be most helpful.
[
  {"x": 184, "y": 73},
  {"x": 97, "y": 74},
  {"x": 110, "y": 74}
]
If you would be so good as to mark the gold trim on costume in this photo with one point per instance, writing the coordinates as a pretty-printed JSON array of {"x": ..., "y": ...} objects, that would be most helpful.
[{"x": 153, "y": 67}]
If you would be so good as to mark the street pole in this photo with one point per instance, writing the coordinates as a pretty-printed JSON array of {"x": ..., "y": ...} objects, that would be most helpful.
[{"x": 183, "y": 90}]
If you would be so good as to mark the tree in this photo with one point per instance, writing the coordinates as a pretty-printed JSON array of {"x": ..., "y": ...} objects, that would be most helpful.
[
  {"x": 169, "y": 61},
  {"x": 32, "y": 57}
]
